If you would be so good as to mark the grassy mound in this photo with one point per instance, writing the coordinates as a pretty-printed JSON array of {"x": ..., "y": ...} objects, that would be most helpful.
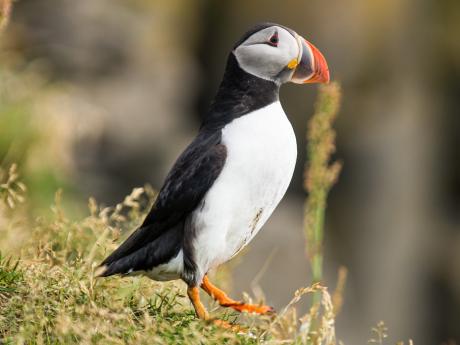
[{"x": 48, "y": 294}]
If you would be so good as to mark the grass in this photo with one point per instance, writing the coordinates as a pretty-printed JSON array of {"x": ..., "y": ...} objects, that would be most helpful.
[
  {"x": 11, "y": 189},
  {"x": 320, "y": 175},
  {"x": 50, "y": 296}
]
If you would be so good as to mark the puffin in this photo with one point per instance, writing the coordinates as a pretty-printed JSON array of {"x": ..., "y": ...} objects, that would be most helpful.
[{"x": 228, "y": 181}]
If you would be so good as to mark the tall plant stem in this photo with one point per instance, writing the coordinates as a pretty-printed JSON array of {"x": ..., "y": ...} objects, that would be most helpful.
[{"x": 320, "y": 175}]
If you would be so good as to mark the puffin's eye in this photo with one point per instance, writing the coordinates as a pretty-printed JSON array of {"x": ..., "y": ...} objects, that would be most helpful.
[{"x": 273, "y": 41}]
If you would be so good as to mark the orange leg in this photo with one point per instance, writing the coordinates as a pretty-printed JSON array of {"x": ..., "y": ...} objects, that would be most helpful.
[
  {"x": 194, "y": 295},
  {"x": 226, "y": 301},
  {"x": 202, "y": 313}
]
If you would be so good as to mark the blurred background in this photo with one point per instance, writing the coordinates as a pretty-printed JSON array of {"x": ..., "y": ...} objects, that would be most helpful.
[{"x": 99, "y": 97}]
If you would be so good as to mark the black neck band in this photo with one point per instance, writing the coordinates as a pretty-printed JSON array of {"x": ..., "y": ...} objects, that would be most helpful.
[{"x": 239, "y": 94}]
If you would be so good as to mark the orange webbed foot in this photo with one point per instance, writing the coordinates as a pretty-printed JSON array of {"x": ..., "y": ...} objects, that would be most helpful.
[
  {"x": 250, "y": 308},
  {"x": 225, "y": 301},
  {"x": 229, "y": 326}
]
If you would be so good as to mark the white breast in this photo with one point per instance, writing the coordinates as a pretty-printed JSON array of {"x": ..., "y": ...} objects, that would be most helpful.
[{"x": 261, "y": 156}]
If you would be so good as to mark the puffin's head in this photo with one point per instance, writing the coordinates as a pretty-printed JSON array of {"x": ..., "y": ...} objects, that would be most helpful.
[{"x": 274, "y": 52}]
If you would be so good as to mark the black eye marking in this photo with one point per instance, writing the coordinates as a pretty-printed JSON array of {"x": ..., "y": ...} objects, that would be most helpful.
[{"x": 273, "y": 41}]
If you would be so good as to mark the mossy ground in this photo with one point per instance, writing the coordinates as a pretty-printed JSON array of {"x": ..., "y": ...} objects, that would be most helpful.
[{"x": 49, "y": 293}]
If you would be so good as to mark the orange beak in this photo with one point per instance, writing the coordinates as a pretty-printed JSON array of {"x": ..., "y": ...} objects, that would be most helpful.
[{"x": 312, "y": 66}]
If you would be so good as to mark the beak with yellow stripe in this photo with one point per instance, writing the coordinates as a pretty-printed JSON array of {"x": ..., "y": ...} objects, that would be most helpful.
[{"x": 310, "y": 66}]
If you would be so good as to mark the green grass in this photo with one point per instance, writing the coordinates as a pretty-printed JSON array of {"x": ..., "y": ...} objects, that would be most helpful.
[
  {"x": 10, "y": 276},
  {"x": 50, "y": 296},
  {"x": 320, "y": 175}
]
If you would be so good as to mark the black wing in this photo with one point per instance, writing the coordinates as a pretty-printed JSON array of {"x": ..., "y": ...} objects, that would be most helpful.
[{"x": 160, "y": 236}]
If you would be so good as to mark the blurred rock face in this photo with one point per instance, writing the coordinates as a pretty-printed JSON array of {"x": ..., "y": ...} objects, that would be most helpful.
[
  {"x": 129, "y": 64},
  {"x": 137, "y": 76}
]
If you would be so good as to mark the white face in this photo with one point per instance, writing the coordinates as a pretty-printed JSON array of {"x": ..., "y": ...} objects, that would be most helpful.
[{"x": 268, "y": 53}]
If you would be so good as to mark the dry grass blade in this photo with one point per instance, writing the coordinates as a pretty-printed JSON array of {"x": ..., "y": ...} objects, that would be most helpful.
[
  {"x": 379, "y": 333},
  {"x": 5, "y": 12},
  {"x": 12, "y": 190},
  {"x": 337, "y": 296}
]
